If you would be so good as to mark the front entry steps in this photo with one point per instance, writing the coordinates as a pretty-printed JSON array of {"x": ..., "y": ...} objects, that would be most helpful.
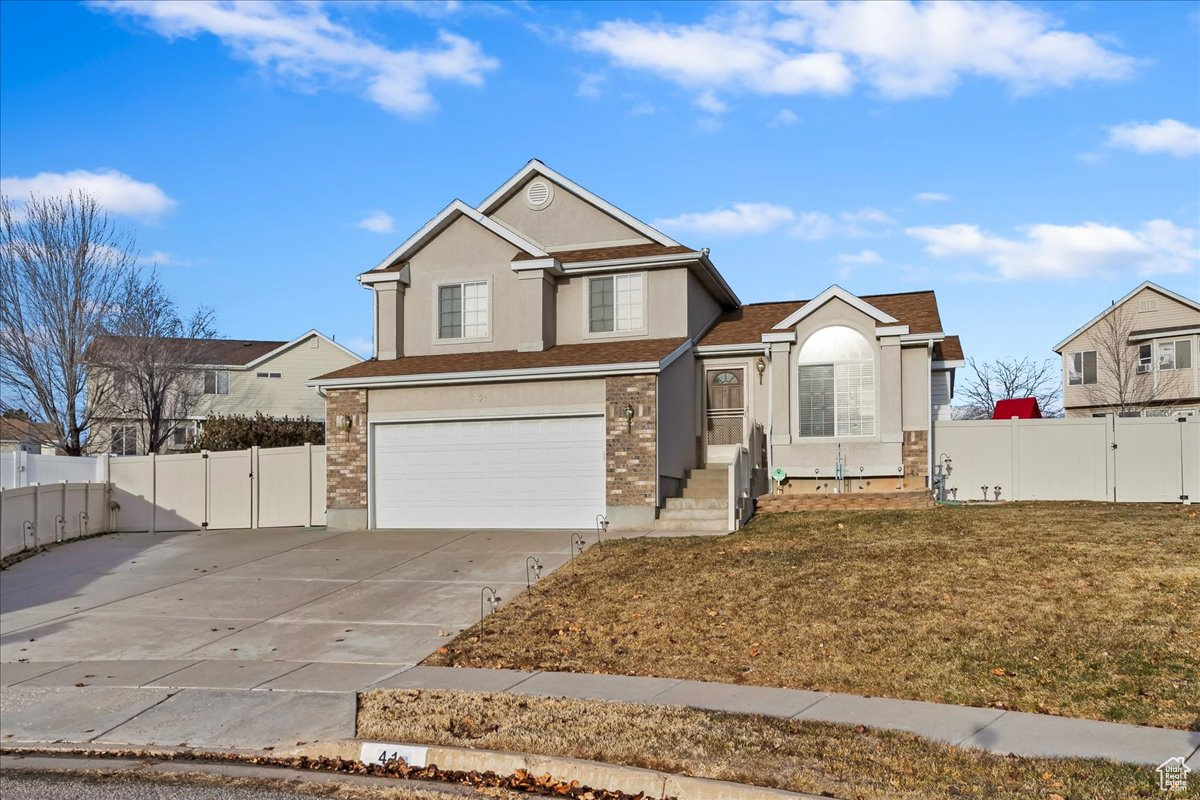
[
  {"x": 850, "y": 501},
  {"x": 704, "y": 505}
]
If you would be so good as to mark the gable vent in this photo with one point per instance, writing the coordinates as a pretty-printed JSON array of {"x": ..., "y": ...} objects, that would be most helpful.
[{"x": 538, "y": 194}]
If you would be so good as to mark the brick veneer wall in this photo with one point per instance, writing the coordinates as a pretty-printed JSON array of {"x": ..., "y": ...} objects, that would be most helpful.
[
  {"x": 346, "y": 450},
  {"x": 631, "y": 454},
  {"x": 916, "y": 456}
]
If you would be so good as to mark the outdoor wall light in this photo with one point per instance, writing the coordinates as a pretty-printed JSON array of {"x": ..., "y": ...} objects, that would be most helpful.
[
  {"x": 347, "y": 422},
  {"x": 760, "y": 367},
  {"x": 629, "y": 417}
]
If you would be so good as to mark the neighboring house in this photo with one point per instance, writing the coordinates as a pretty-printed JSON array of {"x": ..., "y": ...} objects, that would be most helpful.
[
  {"x": 1138, "y": 357},
  {"x": 26, "y": 437},
  {"x": 545, "y": 358},
  {"x": 238, "y": 376}
]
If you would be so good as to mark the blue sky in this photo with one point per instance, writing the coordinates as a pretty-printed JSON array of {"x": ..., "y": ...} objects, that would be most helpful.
[{"x": 1029, "y": 162}]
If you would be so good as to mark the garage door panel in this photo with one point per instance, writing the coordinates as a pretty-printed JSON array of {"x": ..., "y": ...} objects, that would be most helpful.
[{"x": 518, "y": 473}]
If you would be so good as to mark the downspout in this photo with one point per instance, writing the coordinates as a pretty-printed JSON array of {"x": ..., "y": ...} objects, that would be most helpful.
[
  {"x": 770, "y": 417},
  {"x": 929, "y": 445}
]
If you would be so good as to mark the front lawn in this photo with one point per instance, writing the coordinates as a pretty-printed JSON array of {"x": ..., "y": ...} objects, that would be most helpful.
[
  {"x": 1080, "y": 609},
  {"x": 840, "y": 760}
]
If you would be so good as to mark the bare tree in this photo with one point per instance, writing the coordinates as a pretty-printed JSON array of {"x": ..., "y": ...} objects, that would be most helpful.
[
  {"x": 63, "y": 266},
  {"x": 1128, "y": 380},
  {"x": 1008, "y": 378},
  {"x": 150, "y": 360}
]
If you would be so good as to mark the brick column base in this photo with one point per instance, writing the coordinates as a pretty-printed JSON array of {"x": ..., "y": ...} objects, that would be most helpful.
[
  {"x": 631, "y": 450},
  {"x": 346, "y": 459},
  {"x": 916, "y": 458}
]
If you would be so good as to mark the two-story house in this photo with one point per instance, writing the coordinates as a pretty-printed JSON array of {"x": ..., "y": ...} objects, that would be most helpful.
[
  {"x": 231, "y": 377},
  {"x": 1138, "y": 357},
  {"x": 544, "y": 358}
]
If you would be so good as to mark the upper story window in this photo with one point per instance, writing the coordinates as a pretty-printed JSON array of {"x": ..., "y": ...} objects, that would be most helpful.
[
  {"x": 837, "y": 384},
  {"x": 216, "y": 381},
  {"x": 1145, "y": 359},
  {"x": 463, "y": 310},
  {"x": 616, "y": 303},
  {"x": 1175, "y": 355},
  {"x": 269, "y": 375},
  {"x": 1081, "y": 368},
  {"x": 124, "y": 440}
]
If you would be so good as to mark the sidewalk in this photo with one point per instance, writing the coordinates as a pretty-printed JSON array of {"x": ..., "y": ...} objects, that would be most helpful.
[{"x": 256, "y": 705}]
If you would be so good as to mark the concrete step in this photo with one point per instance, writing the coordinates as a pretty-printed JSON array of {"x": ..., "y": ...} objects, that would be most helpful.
[
  {"x": 693, "y": 513},
  {"x": 691, "y": 525},
  {"x": 706, "y": 492},
  {"x": 685, "y": 502}
]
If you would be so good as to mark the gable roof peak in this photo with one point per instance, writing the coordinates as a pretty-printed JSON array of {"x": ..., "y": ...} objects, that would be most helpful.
[
  {"x": 509, "y": 187},
  {"x": 821, "y": 299}
]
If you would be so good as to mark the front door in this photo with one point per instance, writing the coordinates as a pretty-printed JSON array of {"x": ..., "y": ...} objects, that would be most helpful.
[{"x": 726, "y": 407}]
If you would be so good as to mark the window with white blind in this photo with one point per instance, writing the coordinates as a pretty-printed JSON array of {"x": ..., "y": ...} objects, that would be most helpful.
[
  {"x": 463, "y": 310},
  {"x": 836, "y": 384},
  {"x": 616, "y": 304}
]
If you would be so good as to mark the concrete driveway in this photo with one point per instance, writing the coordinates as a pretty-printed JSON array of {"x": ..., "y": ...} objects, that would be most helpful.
[{"x": 281, "y": 595}]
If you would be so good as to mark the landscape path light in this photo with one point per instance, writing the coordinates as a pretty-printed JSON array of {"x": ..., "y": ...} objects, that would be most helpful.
[
  {"x": 533, "y": 565},
  {"x": 487, "y": 595}
]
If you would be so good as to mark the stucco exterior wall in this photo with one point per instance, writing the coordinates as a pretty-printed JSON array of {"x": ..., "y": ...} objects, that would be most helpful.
[
  {"x": 567, "y": 222},
  {"x": 526, "y": 398},
  {"x": 678, "y": 415},
  {"x": 915, "y": 372},
  {"x": 702, "y": 307},
  {"x": 666, "y": 308}
]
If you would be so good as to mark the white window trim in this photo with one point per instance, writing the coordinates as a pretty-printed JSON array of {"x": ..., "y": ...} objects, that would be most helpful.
[
  {"x": 1070, "y": 356},
  {"x": 437, "y": 312},
  {"x": 799, "y": 362},
  {"x": 216, "y": 382},
  {"x": 630, "y": 334}
]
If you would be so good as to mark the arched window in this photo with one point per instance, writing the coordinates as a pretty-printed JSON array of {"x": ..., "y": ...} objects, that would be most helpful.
[{"x": 837, "y": 384}]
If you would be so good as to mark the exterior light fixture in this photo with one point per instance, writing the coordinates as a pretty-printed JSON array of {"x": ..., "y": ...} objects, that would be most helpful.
[
  {"x": 577, "y": 545},
  {"x": 601, "y": 527},
  {"x": 760, "y": 367},
  {"x": 491, "y": 597},
  {"x": 533, "y": 565},
  {"x": 347, "y": 422},
  {"x": 628, "y": 417}
]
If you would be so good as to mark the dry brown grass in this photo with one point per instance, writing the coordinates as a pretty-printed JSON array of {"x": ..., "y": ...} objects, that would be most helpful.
[
  {"x": 799, "y": 756},
  {"x": 1081, "y": 609}
]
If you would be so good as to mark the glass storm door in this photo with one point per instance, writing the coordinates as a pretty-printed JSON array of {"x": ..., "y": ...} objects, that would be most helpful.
[{"x": 726, "y": 406}]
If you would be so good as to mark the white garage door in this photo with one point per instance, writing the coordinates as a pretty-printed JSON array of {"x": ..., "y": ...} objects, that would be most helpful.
[{"x": 546, "y": 472}]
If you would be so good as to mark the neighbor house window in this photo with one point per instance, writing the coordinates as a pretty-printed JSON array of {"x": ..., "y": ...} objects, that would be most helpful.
[
  {"x": 1145, "y": 359},
  {"x": 182, "y": 435},
  {"x": 269, "y": 375},
  {"x": 836, "y": 385},
  {"x": 216, "y": 381},
  {"x": 1081, "y": 368},
  {"x": 615, "y": 303},
  {"x": 124, "y": 440},
  {"x": 463, "y": 310},
  {"x": 1175, "y": 355}
]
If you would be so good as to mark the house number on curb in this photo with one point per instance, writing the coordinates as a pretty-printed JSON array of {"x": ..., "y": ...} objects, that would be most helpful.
[{"x": 383, "y": 752}]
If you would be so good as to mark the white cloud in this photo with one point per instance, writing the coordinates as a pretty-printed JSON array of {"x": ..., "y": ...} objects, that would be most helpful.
[
  {"x": 931, "y": 197},
  {"x": 378, "y": 222},
  {"x": 589, "y": 85},
  {"x": 758, "y": 218},
  {"x": 116, "y": 191},
  {"x": 1069, "y": 251},
  {"x": 301, "y": 42},
  {"x": 1165, "y": 136},
  {"x": 900, "y": 49},
  {"x": 785, "y": 117},
  {"x": 862, "y": 258},
  {"x": 708, "y": 101},
  {"x": 742, "y": 218}
]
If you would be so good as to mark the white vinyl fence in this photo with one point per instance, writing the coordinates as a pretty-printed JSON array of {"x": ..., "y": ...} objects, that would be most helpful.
[
  {"x": 32, "y": 516},
  {"x": 1118, "y": 459},
  {"x": 256, "y": 488}
]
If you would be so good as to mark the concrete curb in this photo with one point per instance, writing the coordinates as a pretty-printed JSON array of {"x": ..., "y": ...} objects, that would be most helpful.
[
  {"x": 653, "y": 784},
  {"x": 596, "y": 774}
]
